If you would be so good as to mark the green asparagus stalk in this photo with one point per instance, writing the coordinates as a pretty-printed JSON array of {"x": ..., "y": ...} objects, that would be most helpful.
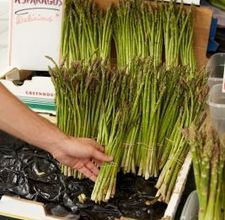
[{"x": 105, "y": 185}]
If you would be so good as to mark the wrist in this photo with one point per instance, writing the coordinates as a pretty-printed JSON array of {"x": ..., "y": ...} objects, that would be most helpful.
[{"x": 56, "y": 147}]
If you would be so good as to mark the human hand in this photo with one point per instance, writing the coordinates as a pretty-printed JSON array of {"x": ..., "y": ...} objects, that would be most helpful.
[{"x": 82, "y": 154}]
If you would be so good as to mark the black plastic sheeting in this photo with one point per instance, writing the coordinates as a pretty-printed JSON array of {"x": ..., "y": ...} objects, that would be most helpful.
[{"x": 33, "y": 174}]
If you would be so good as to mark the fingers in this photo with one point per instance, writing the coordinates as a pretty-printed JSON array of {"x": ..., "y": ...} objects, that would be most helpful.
[
  {"x": 101, "y": 148},
  {"x": 88, "y": 173},
  {"x": 97, "y": 145},
  {"x": 99, "y": 156},
  {"x": 92, "y": 168},
  {"x": 87, "y": 168},
  {"x": 94, "y": 143},
  {"x": 82, "y": 154},
  {"x": 98, "y": 162}
]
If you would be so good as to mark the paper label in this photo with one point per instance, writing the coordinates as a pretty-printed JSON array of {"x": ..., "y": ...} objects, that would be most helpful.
[
  {"x": 195, "y": 2},
  {"x": 35, "y": 31}
]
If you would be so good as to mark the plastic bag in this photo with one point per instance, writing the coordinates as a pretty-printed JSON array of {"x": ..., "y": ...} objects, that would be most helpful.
[{"x": 33, "y": 174}]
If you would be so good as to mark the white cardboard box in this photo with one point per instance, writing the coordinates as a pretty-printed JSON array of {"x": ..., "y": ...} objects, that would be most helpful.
[
  {"x": 15, "y": 207},
  {"x": 34, "y": 32},
  {"x": 4, "y": 20},
  {"x": 37, "y": 93},
  {"x": 194, "y": 2}
]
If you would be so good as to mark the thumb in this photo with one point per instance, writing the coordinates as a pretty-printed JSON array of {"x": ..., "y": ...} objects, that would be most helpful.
[{"x": 98, "y": 155}]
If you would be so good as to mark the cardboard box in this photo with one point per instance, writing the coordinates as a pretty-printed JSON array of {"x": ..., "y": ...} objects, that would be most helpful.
[
  {"x": 3, "y": 34},
  {"x": 34, "y": 32},
  {"x": 37, "y": 93},
  {"x": 18, "y": 208},
  {"x": 194, "y": 2}
]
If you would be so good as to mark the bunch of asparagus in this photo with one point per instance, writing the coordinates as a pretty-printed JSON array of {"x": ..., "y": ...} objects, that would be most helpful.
[
  {"x": 191, "y": 91},
  {"x": 86, "y": 31},
  {"x": 151, "y": 102},
  {"x": 78, "y": 110},
  {"x": 178, "y": 35},
  {"x": 208, "y": 153},
  {"x": 118, "y": 129},
  {"x": 137, "y": 32}
]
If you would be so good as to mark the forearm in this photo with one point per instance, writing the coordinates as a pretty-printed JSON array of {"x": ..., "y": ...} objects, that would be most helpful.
[
  {"x": 79, "y": 153},
  {"x": 18, "y": 120}
]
